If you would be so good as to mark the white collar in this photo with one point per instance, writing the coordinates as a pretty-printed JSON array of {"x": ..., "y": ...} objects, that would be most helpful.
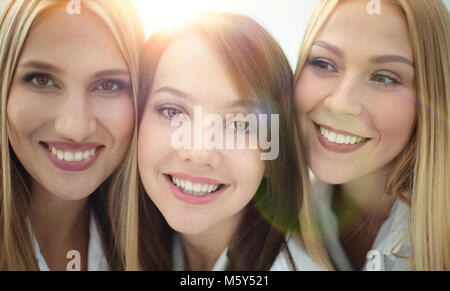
[
  {"x": 178, "y": 257},
  {"x": 387, "y": 242},
  {"x": 96, "y": 258}
]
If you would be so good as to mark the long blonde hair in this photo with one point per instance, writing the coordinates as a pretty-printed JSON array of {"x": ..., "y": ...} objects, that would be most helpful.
[
  {"x": 16, "y": 248},
  {"x": 421, "y": 168}
]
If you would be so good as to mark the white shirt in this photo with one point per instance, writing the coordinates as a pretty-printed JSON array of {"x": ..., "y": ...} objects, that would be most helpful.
[
  {"x": 387, "y": 242},
  {"x": 282, "y": 262},
  {"x": 96, "y": 258}
]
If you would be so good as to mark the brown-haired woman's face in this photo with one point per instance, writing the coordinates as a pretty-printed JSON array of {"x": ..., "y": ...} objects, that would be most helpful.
[
  {"x": 355, "y": 94},
  {"x": 196, "y": 189},
  {"x": 70, "y": 113}
]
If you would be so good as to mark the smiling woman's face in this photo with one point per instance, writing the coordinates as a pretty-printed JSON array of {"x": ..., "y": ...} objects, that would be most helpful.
[
  {"x": 355, "y": 94},
  {"x": 196, "y": 190},
  {"x": 70, "y": 114}
]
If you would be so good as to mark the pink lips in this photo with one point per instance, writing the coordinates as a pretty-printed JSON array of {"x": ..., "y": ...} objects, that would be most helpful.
[
  {"x": 72, "y": 147},
  {"x": 191, "y": 199},
  {"x": 334, "y": 147}
]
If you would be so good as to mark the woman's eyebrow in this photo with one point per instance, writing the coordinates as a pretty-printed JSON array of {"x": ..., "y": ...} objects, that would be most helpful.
[
  {"x": 111, "y": 72},
  {"x": 328, "y": 46},
  {"x": 375, "y": 59},
  {"x": 390, "y": 58},
  {"x": 245, "y": 104},
  {"x": 41, "y": 66},
  {"x": 172, "y": 91}
]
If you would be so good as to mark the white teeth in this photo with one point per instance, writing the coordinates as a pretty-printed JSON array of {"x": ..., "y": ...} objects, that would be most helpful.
[
  {"x": 72, "y": 156},
  {"x": 68, "y": 157},
  {"x": 196, "y": 189},
  {"x": 340, "y": 138},
  {"x": 188, "y": 185},
  {"x": 78, "y": 156},
  {"x": 332, "y": 137},
  {"x": 347, "y": 139}
]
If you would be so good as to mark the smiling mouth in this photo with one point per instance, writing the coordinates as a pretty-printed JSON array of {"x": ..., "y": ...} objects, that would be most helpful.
[
  {"x": 71, "y": 156},
  {"x": 339, "y": 138},
  {"x": 193, "y": 188}
]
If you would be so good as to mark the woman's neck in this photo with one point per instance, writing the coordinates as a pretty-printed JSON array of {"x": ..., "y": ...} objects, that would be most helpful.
[
  {"x": 203, "y": 249},
  {"x": 361, "y": 207},
  {"x": 59, "y": 226}
]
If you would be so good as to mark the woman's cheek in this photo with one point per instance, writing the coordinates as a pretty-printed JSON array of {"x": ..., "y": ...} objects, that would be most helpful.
[
  {"x": 394, "y": 115},
  {"x": 154, "y": 138},
  {"x": 118, "y": 116},
  {"x": 310, "y": 90}
]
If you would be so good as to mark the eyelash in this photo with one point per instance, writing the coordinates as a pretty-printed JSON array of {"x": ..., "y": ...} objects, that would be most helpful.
[
  {"x": 119, "y": 85},
  {"x": 163, "y": 110},
  {"x": 393, "y": 81},
  {"x": 318, "y": 65},
  {"x": 236, "y": 127},
  {"x": 30, "y": 77}
]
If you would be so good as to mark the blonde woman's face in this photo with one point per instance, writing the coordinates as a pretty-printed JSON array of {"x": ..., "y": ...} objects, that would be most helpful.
[
  {"x": 197, "y": 190},
  {"x": 70, "y": 114},
  {"x": 355, "y": 94}
]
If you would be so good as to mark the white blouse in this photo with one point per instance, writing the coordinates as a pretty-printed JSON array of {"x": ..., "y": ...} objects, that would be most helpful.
[
  {"x": 96, "y": 257},
  {"x": 387, "y": 242},
  {"x": 282, "y": 262}
]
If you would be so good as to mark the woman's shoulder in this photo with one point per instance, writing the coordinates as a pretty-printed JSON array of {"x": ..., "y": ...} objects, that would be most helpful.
[{"x": 294, "y": 252}]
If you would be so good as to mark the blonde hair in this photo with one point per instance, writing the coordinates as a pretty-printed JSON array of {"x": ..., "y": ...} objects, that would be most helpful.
[
  {"x": 16, "y": 248},
  {"x": 421, "y": 168}
]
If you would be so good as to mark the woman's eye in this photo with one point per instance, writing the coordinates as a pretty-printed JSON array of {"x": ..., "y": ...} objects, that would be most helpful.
[
  {"x": 108, "y": 86},
  {"x": 39, "y": 80},
  {"x": 385, "y": 80},
  {"x": 242, "y": 125},
  {"x": 171, "y": 113},
  {"x": 322, "y": 65}
]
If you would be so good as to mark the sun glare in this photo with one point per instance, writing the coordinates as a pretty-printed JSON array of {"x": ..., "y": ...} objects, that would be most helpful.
[{"x": 157, "y": 14}]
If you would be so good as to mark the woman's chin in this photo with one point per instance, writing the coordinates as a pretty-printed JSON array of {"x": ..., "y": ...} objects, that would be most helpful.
[
  {"x": 72, "y": 193},
  {"x": 332, "y": 176}
]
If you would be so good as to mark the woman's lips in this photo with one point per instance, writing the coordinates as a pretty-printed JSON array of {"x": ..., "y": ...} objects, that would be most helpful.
[
  {"x": 191, "y": 198},
  {"x": 336, "y": 147},
  {"x": 60, "y": 153},
  {"x": 338, "y": 131}
]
